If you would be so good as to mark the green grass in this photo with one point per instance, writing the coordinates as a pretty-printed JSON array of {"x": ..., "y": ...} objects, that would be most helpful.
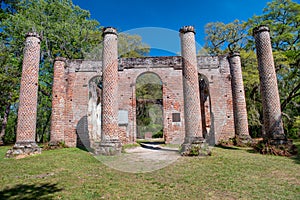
[
  {"x": 129, "y": 146},
  {"x": 71, "y": 173}
]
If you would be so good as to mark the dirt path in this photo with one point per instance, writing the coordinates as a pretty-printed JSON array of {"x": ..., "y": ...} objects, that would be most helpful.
[{"x": 148, "y": 157}]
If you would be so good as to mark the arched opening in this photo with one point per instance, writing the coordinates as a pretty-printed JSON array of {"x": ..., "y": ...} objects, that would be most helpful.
[
  {"x": 205, "y": 104},
  {"x": 149, "y": 106},
  {"x": 94, "y": 109}
]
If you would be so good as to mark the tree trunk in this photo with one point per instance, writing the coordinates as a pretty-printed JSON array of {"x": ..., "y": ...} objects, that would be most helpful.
[
  {"x": 44, "y": 129},
  {"x": 4, "y": 123}
]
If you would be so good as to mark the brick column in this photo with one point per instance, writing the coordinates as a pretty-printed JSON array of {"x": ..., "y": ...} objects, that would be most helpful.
[
  {"x": 110, "y": 143},
  {"x": 192, "y": 110},
  {"x": 26, "y": 127},
  {"x": 268, "y": 85},
  {"x": 58, "y": 102},
  {"x": 238, "y": 98}
]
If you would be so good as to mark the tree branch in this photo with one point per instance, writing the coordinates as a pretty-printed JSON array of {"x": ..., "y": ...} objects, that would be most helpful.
[
  {"x": 44, "y": 92},
  {"x": 286, "y": 115},
  {"x": 291, "y": 95}
]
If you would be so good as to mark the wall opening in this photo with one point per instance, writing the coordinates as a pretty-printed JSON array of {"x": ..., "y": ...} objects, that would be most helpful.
[
  {"x": 205, "y": 104},
  {"x": 82, "y": 133},
  {"x": 94, "y": 109},
  {"x": 149, "y": 106}
]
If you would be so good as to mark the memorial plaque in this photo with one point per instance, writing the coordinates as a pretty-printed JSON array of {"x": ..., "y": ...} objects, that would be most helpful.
[{"x": 123, "y": 117}]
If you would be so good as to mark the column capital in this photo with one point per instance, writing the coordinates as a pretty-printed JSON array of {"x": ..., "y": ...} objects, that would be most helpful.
[
  {"x": 186, "y": 29},
  {"x": 234, "y": 54},
  {"x": 33, "y": 34},
  {"x": 109, "y": 30},
  {"x": 60, "y": 59},
  {"x": 261, "y": 28}
]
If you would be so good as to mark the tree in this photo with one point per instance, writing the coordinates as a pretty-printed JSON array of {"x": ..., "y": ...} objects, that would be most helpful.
[
  {"x": 9, "y": 83},
  {"x": 128, "y": 46},
  {"x": 252, "y": 91},
  {"x": 282, "y": 16},
  {"x": 131, "y": 46},
  {"x": 224, "y": 38},
  {"x": 149, "y": 105},
  {"x": 221, "y": 38},
  {"x": 66, "y": 31}
]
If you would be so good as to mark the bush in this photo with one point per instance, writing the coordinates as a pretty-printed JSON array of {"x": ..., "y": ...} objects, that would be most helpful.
[{"x": 158, "y": 134}]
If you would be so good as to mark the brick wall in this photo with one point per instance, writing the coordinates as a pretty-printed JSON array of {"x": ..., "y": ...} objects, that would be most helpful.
[
  {"x": 78, "y": 74},
  {"x": 58, "y": 101},
  {"x": 216, "y": 70},
  {"x": 168, "y": 69}
]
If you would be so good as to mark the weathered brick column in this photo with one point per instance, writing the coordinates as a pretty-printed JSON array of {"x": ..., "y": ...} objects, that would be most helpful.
[
  {"x": 58, "y": 102},
  {"x": 192, "y": 109},
  {"x": 268, "y": 85},
  {"x": 26, "y": 127},
  {"x": 239, "y": 101},
  {"x": 110, "y": 143}
]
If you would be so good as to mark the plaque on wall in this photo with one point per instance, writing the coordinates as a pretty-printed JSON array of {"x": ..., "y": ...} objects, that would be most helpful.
[{"x": 123, "y": 117}]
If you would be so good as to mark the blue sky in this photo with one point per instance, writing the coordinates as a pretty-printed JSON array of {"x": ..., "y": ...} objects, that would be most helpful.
[{"x": 168, "y": 16}]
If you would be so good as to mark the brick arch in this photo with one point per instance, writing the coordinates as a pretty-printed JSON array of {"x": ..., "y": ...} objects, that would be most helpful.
[
  {"x": 159, "y": 103},
  {"x": 94, "y": 77},
  {"x": 149, "y": 72},
  {"x": 171, "y": 79}
]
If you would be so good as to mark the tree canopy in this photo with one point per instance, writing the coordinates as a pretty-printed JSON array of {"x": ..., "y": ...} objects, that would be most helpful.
[
  {"x": 283, "y": 18},
  {"x": 66, "y": 31}
]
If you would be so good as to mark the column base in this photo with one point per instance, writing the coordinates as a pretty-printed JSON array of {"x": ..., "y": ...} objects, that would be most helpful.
[
  {"x": 277, "y": 138},
  {"x": 243, "y": 140},
  {"x": 23, "y": 149},
  {"x": 108, "y": 147},
  {"x": 195, "y": 146},
  {"x": 277, "y": 142},
  {"x": 55, "y": 144},
  {"x": 278, "y": 147}
]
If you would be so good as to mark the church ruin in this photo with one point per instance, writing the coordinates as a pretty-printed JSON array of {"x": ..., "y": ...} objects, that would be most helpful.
[{"x": 94, "y": 103}]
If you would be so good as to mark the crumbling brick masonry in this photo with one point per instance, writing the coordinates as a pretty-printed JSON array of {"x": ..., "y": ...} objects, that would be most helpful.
[{"x": 94, "y": 102}]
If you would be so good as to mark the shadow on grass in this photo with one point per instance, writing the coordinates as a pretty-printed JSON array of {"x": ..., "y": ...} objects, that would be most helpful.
[
  {"x": 155, "y": 145},
  {"x": 252, "y": 150},
  {"x": 151, "y": 142},
  {"x": 29, "y": 191},
  {"x": 83, "y": 148},
  {"x": 297, "y": 157},
  {"x": 227, "y": 147}
]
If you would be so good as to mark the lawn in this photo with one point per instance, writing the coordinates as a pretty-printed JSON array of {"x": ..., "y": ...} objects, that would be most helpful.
[{"x": 70, "y": 173}]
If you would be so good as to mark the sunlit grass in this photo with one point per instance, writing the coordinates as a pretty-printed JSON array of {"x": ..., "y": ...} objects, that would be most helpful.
[{"x": 75, "y": 174}]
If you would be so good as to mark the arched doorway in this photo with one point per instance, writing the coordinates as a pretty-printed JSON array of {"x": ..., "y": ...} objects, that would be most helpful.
[
  {"x": 205, "y": 104},
  {"x": 149, "y": 106}
]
